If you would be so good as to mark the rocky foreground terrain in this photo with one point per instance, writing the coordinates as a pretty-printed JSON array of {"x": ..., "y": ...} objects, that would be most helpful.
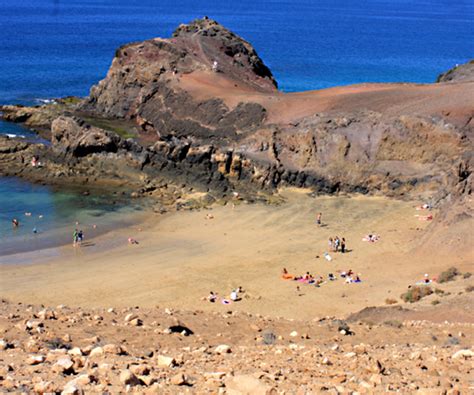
[{"x": 74, "y": 351}]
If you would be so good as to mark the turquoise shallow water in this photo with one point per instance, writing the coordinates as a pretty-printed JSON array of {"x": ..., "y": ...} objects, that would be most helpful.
[{"x": 49, "y": 216}]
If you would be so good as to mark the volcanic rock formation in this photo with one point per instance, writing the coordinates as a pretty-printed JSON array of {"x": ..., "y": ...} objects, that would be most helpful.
[{"x": 207, "y": 113}]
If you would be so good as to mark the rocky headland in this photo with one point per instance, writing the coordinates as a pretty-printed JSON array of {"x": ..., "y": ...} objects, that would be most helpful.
[{"x": 202, "y": 109}]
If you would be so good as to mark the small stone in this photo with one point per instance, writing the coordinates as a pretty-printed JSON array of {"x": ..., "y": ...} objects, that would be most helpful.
[
  {"x": 82, "y": 379},
  {"x": 43, "y": 387},
  {"x": 294, "y": 334},
  {"x": 222, "y": 349},
  {"x": 136, "y": 322},
  {"x": 465, "y": 354},
  {"x": 130, "y": 317},
  {"x": 247, "y": 384},
  {"x": 350, "y": 354},
  {"x": 35, "y": 359},
  {"x": 75, "y": 352},
  {"x": 128, "y": 378},
  {"x": 96, "y": 352},
  {"x": 112, "y": 349},
  {"x": 72, "y": 389},
  {"x": 63, "y": 365},
  {"x": 140, "y": 370},
  {"x": 415, "y": 355},
  {"x": 326, "y": 361},
  {"x": 3, "y": 344},
  {"x": 178, "y": 379},
  {"x": 165, "y": 361},
  {"x": 147, "y": 380}
]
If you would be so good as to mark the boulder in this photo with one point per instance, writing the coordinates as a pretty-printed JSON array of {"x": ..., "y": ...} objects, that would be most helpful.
[
  {"x": 63, "y": 365},
  {"x": 128, "y": 378},
  {"x": 178, "y": 379},
  {"x": 73, "y": 136},
  {"x": 96, "y": 352},
  {"x": 165, "y": 361},
  {"x": 247, "y": 385}
]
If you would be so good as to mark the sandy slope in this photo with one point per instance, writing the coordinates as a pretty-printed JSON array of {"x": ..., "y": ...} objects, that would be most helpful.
[
  {"x": 454, "y": 100},
  {"x": 182, "y": 256}
]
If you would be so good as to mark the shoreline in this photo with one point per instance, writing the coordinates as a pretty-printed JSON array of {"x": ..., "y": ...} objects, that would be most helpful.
[
  {"x": 95, "y": 241},
  {"x": 184, "y": 255}
]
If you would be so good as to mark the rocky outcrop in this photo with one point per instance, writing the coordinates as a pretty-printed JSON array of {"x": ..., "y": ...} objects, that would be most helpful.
[
  {"x": 459, "y": 73},
  {"x": 140, "y": 84},
  {"x": 233, "y": 138},
  {"x": 75, "y": 137},
  {"x": 39, "y": 117}
]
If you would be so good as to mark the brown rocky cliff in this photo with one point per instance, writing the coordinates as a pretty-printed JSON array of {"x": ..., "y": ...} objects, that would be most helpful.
[
  {"x": 142, "y": 82},
  {"x": 459, "y": 73},
  {"x": 231, "y": 128}
]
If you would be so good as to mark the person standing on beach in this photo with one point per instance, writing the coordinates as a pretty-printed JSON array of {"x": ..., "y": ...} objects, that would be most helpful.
[
  {"x": 318, "y": 219},
  {"x": 75, "y": 237},
  {"x": 343, "y": 245},
  {"x": 330, "y": 244}
]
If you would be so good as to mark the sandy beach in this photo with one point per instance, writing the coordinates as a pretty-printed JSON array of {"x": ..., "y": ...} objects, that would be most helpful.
[{"x": 182, "y": 256}]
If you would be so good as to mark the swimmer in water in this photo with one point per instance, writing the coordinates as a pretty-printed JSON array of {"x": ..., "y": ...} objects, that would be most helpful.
[{"x": 15, "y": 223}]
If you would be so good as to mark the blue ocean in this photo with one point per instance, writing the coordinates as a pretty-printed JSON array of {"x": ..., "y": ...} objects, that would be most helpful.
[{"x": 54, "y": 48}]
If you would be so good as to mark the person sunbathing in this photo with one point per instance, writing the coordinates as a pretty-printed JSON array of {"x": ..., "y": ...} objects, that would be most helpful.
[
  {"x": 212, "y": 297},
  {"x": 285, "y": 275},
  {"x": 307, "y": 276},
  {"x": 234, "y": 295}
]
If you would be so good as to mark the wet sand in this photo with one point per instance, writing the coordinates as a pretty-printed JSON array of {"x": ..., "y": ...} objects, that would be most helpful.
[{"x": 182, "y": 256}]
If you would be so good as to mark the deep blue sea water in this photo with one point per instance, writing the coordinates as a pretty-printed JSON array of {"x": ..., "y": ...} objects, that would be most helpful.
[
  {"x": 54, "y": 48},
  {"x": 51, "y": 48}
]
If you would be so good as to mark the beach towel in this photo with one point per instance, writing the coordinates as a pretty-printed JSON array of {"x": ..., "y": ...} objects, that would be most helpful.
[{"x": 327, "y": 257}]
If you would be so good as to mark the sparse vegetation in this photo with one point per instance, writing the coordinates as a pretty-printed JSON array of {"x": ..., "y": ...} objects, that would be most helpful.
[
  {"x": 416, "y": 293},
  {"x": 470, "y": 288},
  {"x": 390, "y": 301},
  {"x": 120, "y": 128},
  {"x": 438, "y": 291},
  {"x": 467, "y": 275},
  {"x": 57, "y": 343},
  {"x": 435, "y": 302},
  {"x": 393, "y": 323},
  {"x": 448, "y": 275}
]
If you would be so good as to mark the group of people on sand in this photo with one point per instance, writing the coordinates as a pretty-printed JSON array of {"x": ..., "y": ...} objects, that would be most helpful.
[
  {"x": 348, "y": 276},
  {"x": 77, "y": 237},
  {"x": 233, "y": 297},
  {"x": 337, "y": 244}
]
